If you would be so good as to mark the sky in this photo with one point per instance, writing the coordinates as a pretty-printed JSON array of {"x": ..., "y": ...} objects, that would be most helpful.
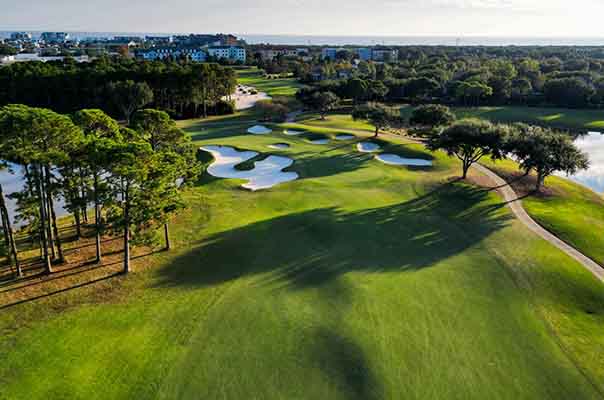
[{"x": 519, "y": 18}]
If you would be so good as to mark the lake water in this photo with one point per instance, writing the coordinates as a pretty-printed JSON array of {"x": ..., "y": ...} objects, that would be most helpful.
[
  {"x": 593, "y": 145},
  {"x": 13, "y": 183}
]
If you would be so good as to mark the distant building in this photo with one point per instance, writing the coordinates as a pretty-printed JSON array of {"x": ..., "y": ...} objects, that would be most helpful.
[
  {"x": 272, "y": 53},
  {"x": 384, "y": 54},
  {"x": 126, "y": 39},
  {"x": 364, "y": 54},
  {"x": 163, "y": 53},
  {"x": 54, "y": 37},
  {"x": 20, "y": 36},
  {"x": 26, "y": 57},
  {"x": 329, "y": 53},
  {"x": 198, "y": 40},
  {"x": 159, "y": 39},
  {"x": 232, "y": 53}
]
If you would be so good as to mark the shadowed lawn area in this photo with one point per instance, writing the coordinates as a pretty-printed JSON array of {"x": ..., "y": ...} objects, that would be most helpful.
[
  {"x": 357, "y": 281},
  {"x": 554, "y": 117},
  {"x": 273, "y": 87},
  {"x": 571, "y": 211}
]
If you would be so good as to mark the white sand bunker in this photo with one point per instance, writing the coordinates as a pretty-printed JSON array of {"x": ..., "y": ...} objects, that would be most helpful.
[
  {"x": 393, "y": 159},
  {"x": 266, "y": 173},
  {"x": 246, "y": 97},
  {"x": 292, "y": 132},
  {"x": 259, "y": 130},
  {"x": 279, "y": 146},
  {"x": 319, "y": 141},
  {"x": 368, "y": 147},
  {"x": 344, "y": 136}
]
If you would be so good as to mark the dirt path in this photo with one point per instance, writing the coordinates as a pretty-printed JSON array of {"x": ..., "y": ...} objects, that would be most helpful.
[{"x": 515, "y": 204}]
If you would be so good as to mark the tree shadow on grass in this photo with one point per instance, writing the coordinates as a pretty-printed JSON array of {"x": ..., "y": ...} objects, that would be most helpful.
[
  {"x": 311, "y": 248},
  {"x": 345, "y": 363}
]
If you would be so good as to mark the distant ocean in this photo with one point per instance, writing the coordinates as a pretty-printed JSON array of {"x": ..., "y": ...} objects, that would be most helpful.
[{"x": 304, "y": 40}]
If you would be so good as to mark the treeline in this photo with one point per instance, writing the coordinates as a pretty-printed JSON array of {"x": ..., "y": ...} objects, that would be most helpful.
[
  {"x": 182, "y": 89},
  {"x": 129, "y": 178},
  {"x": 564, "y": 77}
]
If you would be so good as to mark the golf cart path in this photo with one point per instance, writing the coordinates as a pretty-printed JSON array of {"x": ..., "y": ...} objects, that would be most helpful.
[{"x": 515, "y": 204}]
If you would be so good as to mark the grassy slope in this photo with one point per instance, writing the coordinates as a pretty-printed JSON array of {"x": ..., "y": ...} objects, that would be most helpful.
[
  {"x": 571, "y": 211},
  {"x": 555, "y": 117},
  {"x": 273, "y": 87},
  {"x": 359, "y": 280}
]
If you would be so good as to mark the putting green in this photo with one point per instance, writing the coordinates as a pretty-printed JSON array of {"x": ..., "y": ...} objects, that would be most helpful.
[{"x": 358, "y": 281}]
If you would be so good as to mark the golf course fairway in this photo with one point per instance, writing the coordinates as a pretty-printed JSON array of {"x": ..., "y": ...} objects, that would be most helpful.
[{"x": 359, "y": 280}]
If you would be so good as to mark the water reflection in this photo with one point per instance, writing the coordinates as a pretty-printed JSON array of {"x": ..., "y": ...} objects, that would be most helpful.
[
  {"x": 12, "y": 181},
  {"x": 593, "y": 145}
]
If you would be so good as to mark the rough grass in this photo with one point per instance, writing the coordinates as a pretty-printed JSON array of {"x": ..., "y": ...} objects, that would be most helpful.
[
  {"x": 357, "y": 281},
  {"x": 554, "y": 117}
]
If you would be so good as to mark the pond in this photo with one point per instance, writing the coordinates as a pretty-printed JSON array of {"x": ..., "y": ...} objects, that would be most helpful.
[
  {"x": 12, "y": 182},
  {"x": 593, "y": 145}
]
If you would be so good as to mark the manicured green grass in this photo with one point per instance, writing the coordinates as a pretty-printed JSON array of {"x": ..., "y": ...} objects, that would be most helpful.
[
  {"x": 554, "y": 117},
  {"x": 572, "y": 212},
  {"x": 335, "y": 121},
  {"x": 357, "y": 281},
  {"x": 273, "y": 87}
]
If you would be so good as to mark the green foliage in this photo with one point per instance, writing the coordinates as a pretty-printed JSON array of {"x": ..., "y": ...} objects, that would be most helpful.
[
  {"x": 545, "y": 152},
  {"x": 129, "y": 96},
  {"x": 324, "y": 102},
  {"x": 568, "y": 92},
  {"x": 469, "y": 140},
  {"x": 432, "y": 115},
  {"x": 378, "y": 115},
  {"x": 270, "y": 110},
  {"x": 188, "y": 89}
]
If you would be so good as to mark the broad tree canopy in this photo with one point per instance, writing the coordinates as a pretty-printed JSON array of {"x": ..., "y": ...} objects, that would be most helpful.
[{"x": 469, "y": 140}]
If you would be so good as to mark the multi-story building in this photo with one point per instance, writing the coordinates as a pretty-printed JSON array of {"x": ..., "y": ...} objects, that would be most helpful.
[
  {"x": 364, "y": 54},
  {"x": 54, "y": 37},
  {"x": 162, "y": 53},
  {"x": 126, "y": 39},
  {"x": 232, "y": 53},
  {"x": 159, "y": 39},
  {"x": 384, "y": 54},
  {"x": 272, "y": 53},
  {"x": 20, "y": 36},
  {"x": 329, "y": 53}
]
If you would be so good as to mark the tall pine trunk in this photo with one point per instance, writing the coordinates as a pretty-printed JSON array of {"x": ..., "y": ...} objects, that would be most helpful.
[
  {"x": 97, "y": 219},
  {"x": 43, "y": 237},
  {"x": 127, "y": 228},
  {"x": 53, "y": 217},
  {"x": 83, "y": 209},
  {"x": 8, "y": 229},
  {"x": 47, "y": 223},
  {"x": 167, "y": 236},
  {"x": 78, "y": 222}
]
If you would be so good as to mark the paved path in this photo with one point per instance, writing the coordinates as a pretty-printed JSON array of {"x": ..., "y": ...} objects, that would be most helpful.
[{"x": 515, "y": 204}]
